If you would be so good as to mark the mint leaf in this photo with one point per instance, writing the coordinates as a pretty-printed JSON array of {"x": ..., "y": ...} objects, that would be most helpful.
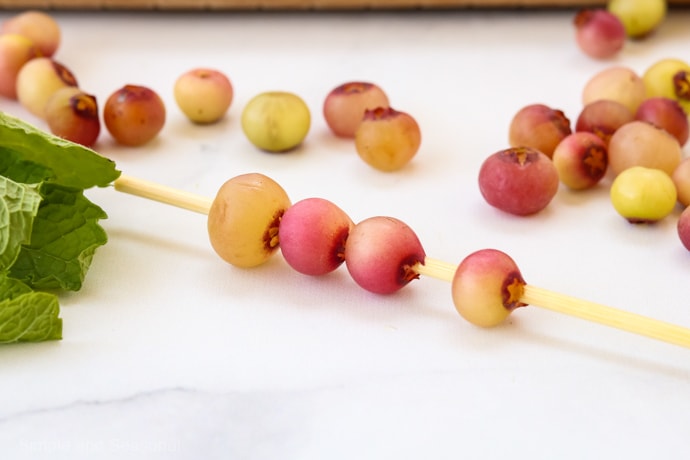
[
  {"x": 68, "y": 163},
  {"x": 19, "y": 204},
  {"x": 65, "y": 237},
  {"x": 27, "y": 316},
  {"x": 14, "y": 167}
]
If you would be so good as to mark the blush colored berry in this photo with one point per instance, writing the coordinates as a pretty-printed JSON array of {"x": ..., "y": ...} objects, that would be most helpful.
[
  {"x": 518, "y": 181},
  {"x": 313, "y": 233},
  {"x": 487, "y": 287},
  {"x": 344, "y": 106},
  {"x": 538, "y": 126},
  {"x": 381, "y": 253},
  {"x": 599, "y": 33},
  {"x": 603, "y": 117},
  {"x": 581, "y": 160}
]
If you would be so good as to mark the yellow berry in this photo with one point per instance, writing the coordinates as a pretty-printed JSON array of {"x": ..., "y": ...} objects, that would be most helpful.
[
  {"x": 639, "y": 17},
  {"x": 643, "y": 195},
  {"x": 669, "y": 78},
  {"x": 276, "y": 121}
]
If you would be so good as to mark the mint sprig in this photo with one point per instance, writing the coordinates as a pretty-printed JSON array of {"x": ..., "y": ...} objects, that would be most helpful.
[{"x": 49, "y": 230}]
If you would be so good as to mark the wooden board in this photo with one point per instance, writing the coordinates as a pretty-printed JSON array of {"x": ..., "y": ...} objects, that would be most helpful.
[{"x": 297, "y": 4}]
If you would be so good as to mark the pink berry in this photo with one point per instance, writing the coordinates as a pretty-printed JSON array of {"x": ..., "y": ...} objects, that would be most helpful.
[
  {"x": 381, "y": 253},
  {"x": 665, "y": 113},
  {"x": 598, "y": 33},
  {"x": 519, "y": 181},
  {"x": 581, "y": 160},
  {"x": 603, "y": 117},
  {"x": 487, "y": 287},
  {"x": 312, "y": 236}
]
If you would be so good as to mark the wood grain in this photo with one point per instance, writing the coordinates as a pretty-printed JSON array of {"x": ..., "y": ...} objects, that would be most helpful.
[{"x": 297, "y": 4}]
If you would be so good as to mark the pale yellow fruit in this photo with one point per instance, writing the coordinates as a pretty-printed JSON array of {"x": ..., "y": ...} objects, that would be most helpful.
[
  {"x": 38, "y": 79},
  {"x": 244, "y": 218},
  {"x": 203, "y": 95},
  {"x": 639, "y": 17},
  {"x": 276, "y": 121},
  {"x": 642, "y": 194},
  {"x": 669, "y": 78}
]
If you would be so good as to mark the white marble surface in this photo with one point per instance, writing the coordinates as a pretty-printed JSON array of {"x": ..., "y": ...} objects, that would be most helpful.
[{"x": 169, "y": 353}]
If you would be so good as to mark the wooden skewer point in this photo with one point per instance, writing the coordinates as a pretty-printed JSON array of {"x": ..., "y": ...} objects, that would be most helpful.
[{"x": 445, "y": 271}]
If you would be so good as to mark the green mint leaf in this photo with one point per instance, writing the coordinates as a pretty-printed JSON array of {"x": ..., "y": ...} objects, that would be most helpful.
[
  {"x": 65, "y": 237},
  {"x": 19, "y": 205},
  {"x": 67, "y": 163},
  {"x": 14, "y": 167},
  {"x": 27, "y": 316}
]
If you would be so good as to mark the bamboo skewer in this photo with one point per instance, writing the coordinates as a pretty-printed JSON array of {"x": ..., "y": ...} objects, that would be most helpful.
[
  {"x": 162, "y": 194},
  {"x": 602, "y": 314},
  {"x": 532, "y": 295}
]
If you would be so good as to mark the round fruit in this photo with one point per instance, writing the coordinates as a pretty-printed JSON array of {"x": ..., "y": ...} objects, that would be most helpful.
[
  {"x": 639, "y": 143},
  {"x": 15, "y": 51},
  {"x": 581, "y": 160},
  {"x": 134, "y": 115},
  {"x": 244, "y": 219},
  {"x": 669, "y": 78},
  {"x": 617, "y": 83},
  {"x": 38, "y": 79},
  {"x": 598, "y": 33},
  {"x": 387, "y": 139},
  {"x": 639, "y": 17},
  {"x": 603, "y": 117},
  {"x": 313, "y": 233},
  {"x": 518, "y": 181},
  {"x": 540, "y": 127},
  {"x": 203, "y": 95},
  {"x": 73, "y": 114},
  {"x": 381, "y": 253},
  {"x": 665, "y": 113},
  {"x": 344, "y": 106},
  {"x": 276, "y": 121},
  {"x": 643, "y": 195},
  {"x": 487, "y": 287},
  {"x": 39, "y": 27}
]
